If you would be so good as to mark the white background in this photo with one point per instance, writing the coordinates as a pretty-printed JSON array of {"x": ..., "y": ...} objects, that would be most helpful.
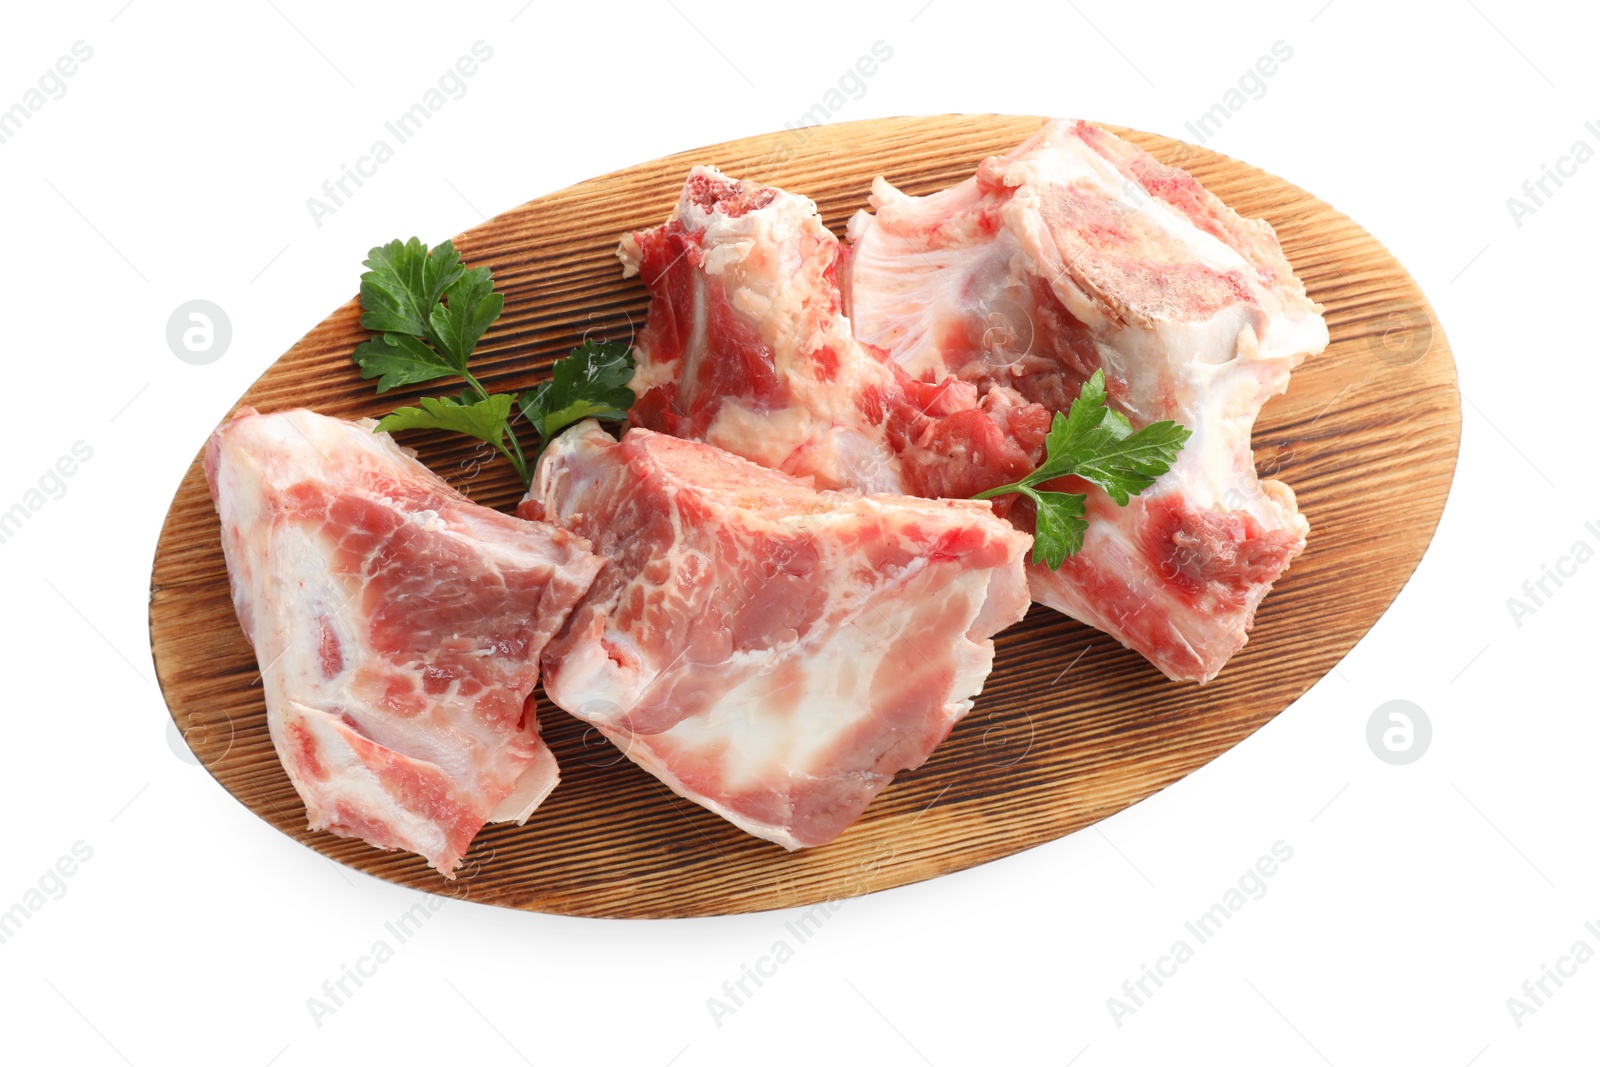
[{"x": 1418, "y": 899}]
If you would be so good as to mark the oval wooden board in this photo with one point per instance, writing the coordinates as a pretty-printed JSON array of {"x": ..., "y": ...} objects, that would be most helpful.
[{"x": 1070, "y": 728}]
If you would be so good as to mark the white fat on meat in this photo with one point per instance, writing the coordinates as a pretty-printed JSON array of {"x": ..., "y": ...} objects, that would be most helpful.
[
  {"x": 398, "y": 627},
  {"x": 772, "y": 652},
  {"x": 1078, "y": 252}
]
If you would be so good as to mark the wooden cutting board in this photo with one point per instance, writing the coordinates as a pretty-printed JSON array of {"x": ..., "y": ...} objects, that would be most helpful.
[{"x": 1070, "y": 728}]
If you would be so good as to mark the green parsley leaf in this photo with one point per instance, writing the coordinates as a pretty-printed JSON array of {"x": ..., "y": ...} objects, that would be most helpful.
[
  {"x": 1059, "y": 530},
  {"x": 1127, "y": 467},
  {"x": 400, "y": 359},
  {"x": 1099, "y": 445},
  {"x": 591, "y": 382},
  {"x": 484, "y": 419},
  {"x": 1117, "y": 423},
  {"x": 403, "y": 283},
  {"x": 470, "y": 306},
  {"x": 430, "y": 311},
  {"x": 421, "y": 339}
]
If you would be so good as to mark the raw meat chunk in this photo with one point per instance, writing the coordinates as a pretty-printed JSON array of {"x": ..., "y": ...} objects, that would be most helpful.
[
  {"x": 747, "y": 348},
  {"x": 398, "y": 627},
  {"x": 1077, "y": 252},
  {"x": 771, "y": 652}
]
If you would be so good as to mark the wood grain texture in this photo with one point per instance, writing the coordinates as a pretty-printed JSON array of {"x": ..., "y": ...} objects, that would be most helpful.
[{"x": 1070, "y": 728}]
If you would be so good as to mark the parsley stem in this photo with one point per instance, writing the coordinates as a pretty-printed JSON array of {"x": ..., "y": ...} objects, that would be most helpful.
[
  {"x": 1024, "y": 486},
  {"x": 514, "y": 454},
  {"x": 516, "y": 457},
  {"x": 483, "y": 394}
]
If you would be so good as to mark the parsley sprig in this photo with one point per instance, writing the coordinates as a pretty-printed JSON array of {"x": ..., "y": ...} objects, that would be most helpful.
[
  {"x": 1097, "y": 444},
  {"x": 429, "y": 312}
]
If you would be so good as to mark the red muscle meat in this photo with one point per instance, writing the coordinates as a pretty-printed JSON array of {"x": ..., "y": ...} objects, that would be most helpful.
[
  {"x": 1079, "y": 252},
  {"x": 747, "y": 348},
  {"x": 769, "y": 651},
  {"x": 398, "y": 627}
]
